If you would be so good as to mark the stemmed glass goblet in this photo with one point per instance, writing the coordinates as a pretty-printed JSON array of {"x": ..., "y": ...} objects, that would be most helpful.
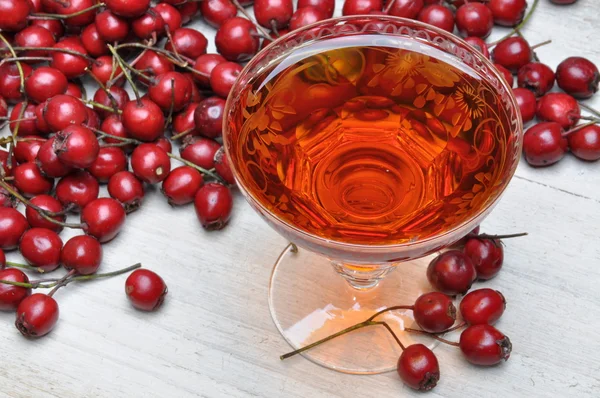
[{"x": 371, "y": 143}]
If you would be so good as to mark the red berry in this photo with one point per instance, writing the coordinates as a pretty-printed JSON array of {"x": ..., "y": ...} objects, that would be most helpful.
[
  {"x": 30, "y": 181},
  {"x": 76, "y": 146},
  {"x": 506, "y": 74},
  {"x": 10, "y": 295},
  {"x": 418, "y": 367},
  {"x": 63, "y": 110},
  {"x": 434, "y": 312},
  {"x": 223, "y": 76},
  {"x": 170, "y": 15},
  {"x": 13, "y": 14},
  {"x": 188, "y": 11},
  {"x": 50, "y": 204},
  {"x": 93, "y": 43},
  {"x": 103, "y": 219},
  {"x": 204, "y": 65},
  {"x": 36, "y": 315},
  {"x": 164, "y": 144},
  {"x": 543, "y": 144},
  {"x": 71, "y": 66},
  {"x": 26, "y": 123},
  {"x": 150, "y": 163},
  {"x": 143, "y": 120},
  {"x": 578, "y": 77},
  {"x": 327, "y": 6},
  {"x": 213, "y": 204},
  {"x": 536, "y": 77},
  {"x": 236, "y": 39},
  {"x": 487, "y": 256},
  {"x": 479, "y": 44},
  {"x": 188, "y": 42},
  {"x": 110, "y": 161},
  {"x": 145, "y": 290},
  {"x": 41, "y": 248},
  {"x": 83, "y": 254},
  {"x": 170, "y": 88},
  {"x": 209, "y": 117},
  {"x": 148, "y": 25},
  {"x": 117, "y": 94},
  {"x": 127, "y": 189},
  {"x": 76, "y": 90},
  {"x": 482, "y": 306},
  {"x": 10, "y": 83},
  {"x": 507, "y": 12},
  {"x": 527, "y": 103},
  {"x": 12, "y": 227},
  {"x": 306, "y": 16},
  {"x": 474, "y": 19},
  {"x": 273, "y": 13},
  {"x": 585, "y": 143},
  {"x": 439, "y": 16},
  {"x": 215, "y": 12},
  {"x": 113, "y": 125},
  {"x": 102, "y": 69},
  {"x": 484, "y": 345},
  {"x": 128, "y": 8},
  {"x": 3, "y": 108},
  {"x": 222, "y": 166},
  {"x": 406, "y": 8},
  {"x": 451, "y": 272},
  {"x": 512, "y": 53},
  {"x": 200, "y": 151},
  {"x": 45, "y": 82},
  {"x": 181, "y": 185},
  {"x": 110, "y": 27},
  {"x": 34, "y": 37},
  {"x": 76, "y": 190},
  {"x": 560, "y": 108},
  {"x": 76, "y": 6},
  {"x": 361, "y": 7},
  {"x": 26, "y": 151}
]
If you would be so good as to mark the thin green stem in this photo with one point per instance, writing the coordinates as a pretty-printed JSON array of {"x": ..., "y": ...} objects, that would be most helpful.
[
  {"x": 182, "y": 134},
  {"x": 394, "y": 308},
  {"x": 438, "y": 338},
  {"x": 589, "y": 109},
  {"x": 507, "y": 236},
  {"x": 58, "y": 50},
  {"x": 170, "y": 117},
  {"x": 62, "y": 282},
  {"x": 125, "y": 72},
  {"x": 24, "y": 59},
  {"x": 24, "y": 266},
  {"x": 247, "y": 15},
  {"x": 579, "y": 127},
  {"x": 19, "y": 67},
  {"x": 195, "y": 166},
  {"x": 104, "y": 107},
  {"x": 66, "y": 16}
]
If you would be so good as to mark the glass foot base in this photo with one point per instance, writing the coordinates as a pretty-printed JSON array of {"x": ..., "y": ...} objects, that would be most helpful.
[{"x": 309, "y": 301}]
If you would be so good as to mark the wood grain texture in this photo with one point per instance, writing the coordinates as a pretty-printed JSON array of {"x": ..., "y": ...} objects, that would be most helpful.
[{"x": 214, "y": 336}]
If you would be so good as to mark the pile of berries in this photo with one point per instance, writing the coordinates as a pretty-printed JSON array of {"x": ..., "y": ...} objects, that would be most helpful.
[{"x": 475, "y": 257}]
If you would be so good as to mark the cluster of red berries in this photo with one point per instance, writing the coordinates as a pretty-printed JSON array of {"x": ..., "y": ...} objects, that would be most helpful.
[{"x": 451, "y": 274}]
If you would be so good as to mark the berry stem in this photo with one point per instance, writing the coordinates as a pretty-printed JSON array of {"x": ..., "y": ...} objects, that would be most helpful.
[
  {"x": 182, "y": 134},
  {"x": 393, "y": 308},
  {"x": 432, "y": 335},
  {"x": 13, "y": 143},
  {"x": 195, "y": 166},
  {"x": 579, "y": 127},
  {"x": 24, "y": 266},
  {"x": 113, "y": 101},
  {"x": 589, "y": 109},
  {"x": 42, "y": 212},
  {"x": 274, "y": 27},
  {"x": 507, "y": 236},
  {"x": 170, "y": 40},
  {"x": 540, "y": 44},
  {"x": 54, "y": 282},
  {"x": 118, "y": 58},
  {"x": 125, "y": 140},
  {"x": 66, "y": 16},
  {"x": 170, "y": 55},
  {"x": 340, "y": 333},
  {"x": 170, "y": 117},
  {"x": 388, "y": 7},
  {"x": 23, "y": 59},
  {"x": 62, "y": 282},
  {"x": 519, "y": 26},
  {"x": 102, "y": 106},
  {"x": 58, "y": 50}
]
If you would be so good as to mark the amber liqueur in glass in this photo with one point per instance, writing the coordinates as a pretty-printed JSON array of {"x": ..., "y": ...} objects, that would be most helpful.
[{"x": 370, "y": 141}]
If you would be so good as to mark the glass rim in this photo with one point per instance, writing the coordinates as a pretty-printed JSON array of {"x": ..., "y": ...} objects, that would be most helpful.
[{"x": 372, "y": 19}]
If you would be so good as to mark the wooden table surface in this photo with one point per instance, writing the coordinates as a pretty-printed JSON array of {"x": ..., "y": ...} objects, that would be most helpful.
[{"x": 214, "y": 336}]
